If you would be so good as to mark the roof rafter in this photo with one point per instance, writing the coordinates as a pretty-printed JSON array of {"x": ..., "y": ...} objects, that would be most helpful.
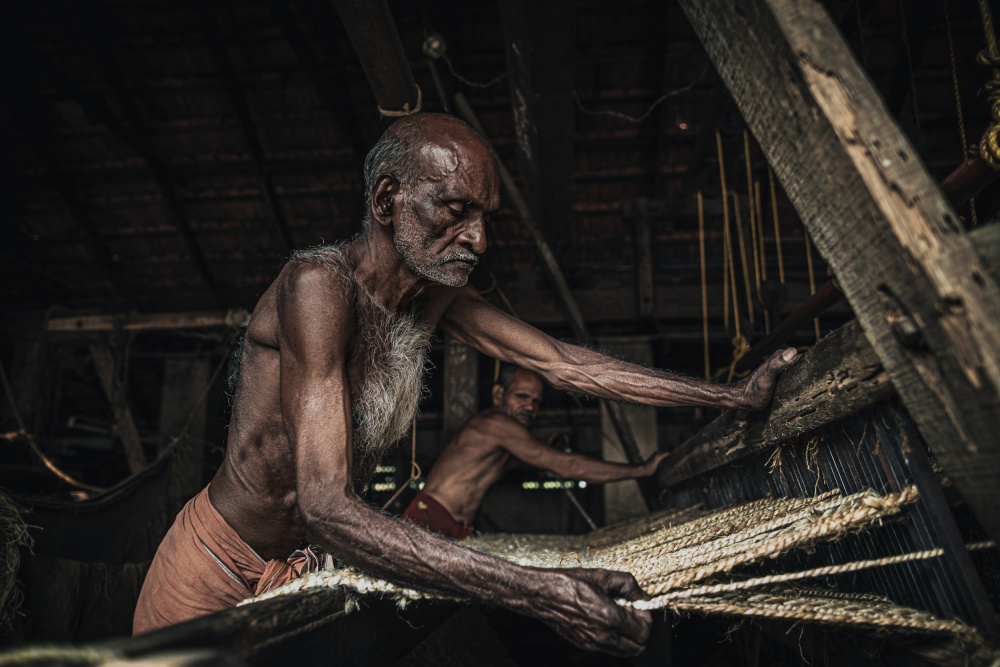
[{"x": 213, "y": 35}]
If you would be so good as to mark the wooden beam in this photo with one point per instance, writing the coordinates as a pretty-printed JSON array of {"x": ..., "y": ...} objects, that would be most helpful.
[
  {"x": 80, "y": 214},
  {"x": 114, "y": 389},
  {"x": 165, "y": 179},
  {"x": 540, "y": 39},
  {"x": 926, "y": 301},
  {"x": 148, "y": 321},
  {"x": 838, "y": 376},
  {"x": 214, "y": 39},
  {"x": 616, "y": 411},
  {"x": 373, "y": 35},
  {"x": 334, "y": 90}
]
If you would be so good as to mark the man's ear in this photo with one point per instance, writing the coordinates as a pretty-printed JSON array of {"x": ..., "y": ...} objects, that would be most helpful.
[
  {"x": 497, "y": 395},
  {"x": 384, "y": 197}
]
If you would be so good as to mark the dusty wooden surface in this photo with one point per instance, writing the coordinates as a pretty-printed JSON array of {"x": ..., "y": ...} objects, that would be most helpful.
[
  {"x": 926, "y": 301},
  {"x": 838, "y": 376}
]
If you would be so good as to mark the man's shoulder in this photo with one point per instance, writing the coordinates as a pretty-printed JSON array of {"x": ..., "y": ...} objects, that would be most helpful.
[
  {"x": 314, "y": 270},
  {"x": 492, "y": 423}
]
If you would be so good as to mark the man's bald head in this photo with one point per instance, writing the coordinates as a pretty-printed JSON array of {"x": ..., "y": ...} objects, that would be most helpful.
[{"x": 400, "y": 151}]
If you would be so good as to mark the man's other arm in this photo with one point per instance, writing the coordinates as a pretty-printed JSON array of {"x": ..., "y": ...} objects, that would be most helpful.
[
  {"x": 315, "y": 327},
  {"x": 475, "y": 322},
  {"x": 517, "y": 440}
]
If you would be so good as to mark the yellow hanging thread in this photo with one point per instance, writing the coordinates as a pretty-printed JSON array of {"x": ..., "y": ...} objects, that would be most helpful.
[
  {"x": 725, "y": 235},
  {"x": 777, "y": 228},
  {"x": 958, "y": 101},
  {"x": 763, "y": 257},
  {"x": 989, "y": 147},
  {"x": 812, "y": 277},
  {"x": 415, "y": 471},
  {"x": 743, "y": 257}
]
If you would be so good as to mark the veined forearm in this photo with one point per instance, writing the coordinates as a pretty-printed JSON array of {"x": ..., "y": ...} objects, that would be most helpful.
[
  {"x": 408, "y": 555},
  {"x": 595, "y": 471},
  {"x": 595, "y": 374}
]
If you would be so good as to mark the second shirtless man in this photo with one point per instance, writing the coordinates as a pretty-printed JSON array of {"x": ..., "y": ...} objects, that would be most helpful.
[{"x": 488, "y": 444}]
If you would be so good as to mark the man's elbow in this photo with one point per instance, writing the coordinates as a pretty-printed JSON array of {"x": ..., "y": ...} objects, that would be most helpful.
[{"x": 328, "y": 513}]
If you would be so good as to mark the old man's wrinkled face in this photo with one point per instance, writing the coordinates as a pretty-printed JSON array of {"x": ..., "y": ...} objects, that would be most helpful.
[{"x": 441, "y": 227}]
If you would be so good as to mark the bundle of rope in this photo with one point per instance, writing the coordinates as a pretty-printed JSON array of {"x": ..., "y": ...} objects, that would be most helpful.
[{"x": 685, "y": 560}]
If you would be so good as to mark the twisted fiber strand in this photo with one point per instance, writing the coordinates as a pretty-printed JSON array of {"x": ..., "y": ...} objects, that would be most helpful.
[
  {"x": 705, "y": 547},
  {"x": 696, "y": 564},
  {"x": 744, "y": 518},
  {"x": 803, "y": 574},
  {"x": 831, "y": 524},
  {"x": 816, "y": 605},
  {"x": 635, "y": 528}
]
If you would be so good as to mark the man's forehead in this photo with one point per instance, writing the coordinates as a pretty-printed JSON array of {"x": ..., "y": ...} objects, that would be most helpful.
[
  {"x": 525, "y": 379},
  {"x": 460, "y": 173}
]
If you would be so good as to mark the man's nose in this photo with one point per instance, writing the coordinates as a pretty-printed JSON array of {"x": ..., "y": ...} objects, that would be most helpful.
[{"x": 474, "y": 236}]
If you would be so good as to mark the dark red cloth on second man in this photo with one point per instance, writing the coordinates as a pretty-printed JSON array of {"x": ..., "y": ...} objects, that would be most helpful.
[{"x": 432, "y": 515}]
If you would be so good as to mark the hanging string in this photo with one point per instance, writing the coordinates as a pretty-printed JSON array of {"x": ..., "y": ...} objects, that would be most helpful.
[
  {"x": 22, "y": 432},
  {"x": 763, "y": 257},
  {"x": 704, "y": 282},
  {"x": 861, "y": 33},
  {"x": 812, "y": 277},
  {"x": 725, "y": 235},
  {"x": 415, "y": 472},
  {"x": 639, "y": 119},
  {"x": 753, "y": 215},
  {"x": 909, "y": 59},
  {"x": 958, "y": 101},
  {"x": 989, "y": 147},
  {"x": 738, "y": 341},
  {"x": 777, "y": 228},
  {"x": 435, "y": 49},
  {"x": 743, "y": 256}
]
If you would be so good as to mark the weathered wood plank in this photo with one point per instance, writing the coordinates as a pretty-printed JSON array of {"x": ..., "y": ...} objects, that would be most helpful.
[
  {"x": 540, "y": 38},
  {"x": 104, "y": 363},
  {"x": 376, "y": 42},
  {"x": 149, "y": 321},
  {"x": 924, "y": 298},
  {"x": 838, "y": 376}
]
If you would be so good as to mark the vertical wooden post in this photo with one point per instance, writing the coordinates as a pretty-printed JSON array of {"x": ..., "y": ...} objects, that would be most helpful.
[
  {"x": 624, "y": 500},
  {"x": 461, "y": 387},
  {"x": 115, "y": 389},
  {"x": 184, "y": 380}
]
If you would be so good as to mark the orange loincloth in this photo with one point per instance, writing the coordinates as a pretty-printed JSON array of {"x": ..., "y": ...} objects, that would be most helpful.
[{"x": 203, "y": 566}]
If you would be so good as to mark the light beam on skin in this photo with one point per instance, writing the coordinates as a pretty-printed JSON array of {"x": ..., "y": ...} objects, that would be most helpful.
[{"x": 437, "y": 154}]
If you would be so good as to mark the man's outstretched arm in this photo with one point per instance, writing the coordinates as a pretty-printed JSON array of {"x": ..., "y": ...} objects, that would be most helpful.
[
  {"x": 475, "y": 322},
  {"x": 516, "y": 439},
  {"x": 315, "y": 327}
]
